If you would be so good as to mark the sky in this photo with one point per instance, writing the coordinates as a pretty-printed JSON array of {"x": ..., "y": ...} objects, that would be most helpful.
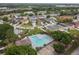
[{"x": 39, "y": 1}]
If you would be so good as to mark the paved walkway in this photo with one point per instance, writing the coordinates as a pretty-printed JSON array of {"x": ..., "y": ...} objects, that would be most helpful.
[
  {"x": 76, "y": 52},
  {"x": 2, "y": 48}
]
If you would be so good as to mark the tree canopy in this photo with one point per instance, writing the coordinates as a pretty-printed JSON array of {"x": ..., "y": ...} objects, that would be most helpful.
[
  {"x": 62, "y": 37},
  {"x": 3, "y": 29},
  {"x": 59, "y": 48},
  {"x": 74, "y": 33},
  {"x": 5, "y": 18},
  {"x": 20, "y": 50},
  {"x": 7, "y": 33}
]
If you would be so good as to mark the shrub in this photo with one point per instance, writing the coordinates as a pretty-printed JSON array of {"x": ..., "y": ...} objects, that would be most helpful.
[
  {"x": 20, "y": 50},
  {"x": 59, "y": 48}
]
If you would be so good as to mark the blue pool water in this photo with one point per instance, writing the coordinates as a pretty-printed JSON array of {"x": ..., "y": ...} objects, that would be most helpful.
[{"x": 38, "y": 41}]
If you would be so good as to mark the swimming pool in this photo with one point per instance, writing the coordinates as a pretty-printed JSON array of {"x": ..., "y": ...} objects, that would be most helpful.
[{"x": 40, "y": 40}]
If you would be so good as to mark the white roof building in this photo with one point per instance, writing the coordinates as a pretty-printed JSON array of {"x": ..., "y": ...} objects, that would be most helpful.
[
  {"x": 54, "y": 14},
  {"x": 42, "y": 16},
  {"x": 29, "y": 12},
  {"x": 1, "y": 21},
  {"x": 41, "y": 12},
  {"x": 17, "y": 31}
]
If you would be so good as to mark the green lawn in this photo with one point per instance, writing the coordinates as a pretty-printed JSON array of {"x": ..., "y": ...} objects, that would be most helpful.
[
  {"x": 27, "y": 25},
  {"x": 28, "y": 32}
]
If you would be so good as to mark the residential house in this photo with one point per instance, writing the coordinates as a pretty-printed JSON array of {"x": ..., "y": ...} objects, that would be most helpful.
[
  {"x": 16, "y": 19},
  {"x": 74, "y": 25},
  {"x": 33, "y": 20},
  {"x": 77, "y": 17},
  {"x": 65, "y": 17},
  {"x": 54, "y": 27},
  {"x": 54, "y": 14},
  {"x": 51, "y": 20}
]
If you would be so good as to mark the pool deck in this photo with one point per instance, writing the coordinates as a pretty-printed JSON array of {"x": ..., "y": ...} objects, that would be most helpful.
[
  {"x": 47, "y": 50},
  {"x": 75, "y": 52}
]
